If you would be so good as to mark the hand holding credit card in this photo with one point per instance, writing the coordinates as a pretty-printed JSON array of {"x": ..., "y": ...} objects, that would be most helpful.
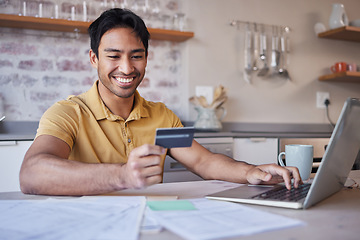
[{"x": 174, "y": 137}]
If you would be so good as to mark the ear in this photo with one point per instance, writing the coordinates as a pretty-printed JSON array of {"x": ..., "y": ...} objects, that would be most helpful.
[{"x": 93, "y": 59}]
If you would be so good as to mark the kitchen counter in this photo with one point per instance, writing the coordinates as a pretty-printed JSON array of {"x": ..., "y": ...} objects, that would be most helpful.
[
  {"x": 17, "y": 130},
  {"x": 270, "y": 130},
  {"x": 25, "y": 130}
]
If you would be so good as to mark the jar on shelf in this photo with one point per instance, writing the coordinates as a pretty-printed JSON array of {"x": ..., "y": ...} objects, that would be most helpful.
[{"x": 338, "y": 17}]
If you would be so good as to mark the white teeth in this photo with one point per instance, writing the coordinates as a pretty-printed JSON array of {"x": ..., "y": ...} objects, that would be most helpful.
[{"x": 124, "y": 80}]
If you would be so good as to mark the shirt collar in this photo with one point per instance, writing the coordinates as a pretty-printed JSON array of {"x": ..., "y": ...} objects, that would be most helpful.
[{"x": 100, "y": 111}]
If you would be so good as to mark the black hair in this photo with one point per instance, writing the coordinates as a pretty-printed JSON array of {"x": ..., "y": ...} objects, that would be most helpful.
[{"x": 113, "y": 18}]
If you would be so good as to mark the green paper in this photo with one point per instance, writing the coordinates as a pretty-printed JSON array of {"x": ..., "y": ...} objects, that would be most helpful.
[{"x": 183, "y": 205}]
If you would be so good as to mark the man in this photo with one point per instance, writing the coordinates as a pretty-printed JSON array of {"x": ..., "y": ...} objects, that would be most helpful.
[{"x": 102, "y": 140}]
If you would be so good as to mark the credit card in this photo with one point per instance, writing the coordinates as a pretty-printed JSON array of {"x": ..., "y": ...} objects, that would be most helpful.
[{"x": 174, "y": 137}]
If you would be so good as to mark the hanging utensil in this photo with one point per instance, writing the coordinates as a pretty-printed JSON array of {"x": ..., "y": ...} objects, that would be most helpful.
[
  {"x": 283, "y": 72},
  {"x": 248, "y": 57},
  {"x": 256, "y": 55},
  {"x": 265, "y": 69},
  {"x": 275, "y": 54}
]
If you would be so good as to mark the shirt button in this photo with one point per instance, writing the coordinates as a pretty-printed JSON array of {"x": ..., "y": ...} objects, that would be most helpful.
[{"x": 129, "y": 140}]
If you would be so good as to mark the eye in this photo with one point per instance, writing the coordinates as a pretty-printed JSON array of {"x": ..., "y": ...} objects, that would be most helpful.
[
  {"x": 137, "y": 56},
  {"x": 113, "y": 57}
]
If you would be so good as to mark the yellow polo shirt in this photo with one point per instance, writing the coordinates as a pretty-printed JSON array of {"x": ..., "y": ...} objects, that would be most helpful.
[{"x": 95, "y": 135}]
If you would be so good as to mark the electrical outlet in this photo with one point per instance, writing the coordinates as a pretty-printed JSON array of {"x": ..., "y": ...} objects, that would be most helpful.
[{"x": 320, "y": 99}]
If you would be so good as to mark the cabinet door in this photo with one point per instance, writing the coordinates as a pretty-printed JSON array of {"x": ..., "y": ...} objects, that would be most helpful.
[
  {"x": 256, "y": 150},
  {"x": 176, "y": 172},
  {"x": 11, "y": 156}
]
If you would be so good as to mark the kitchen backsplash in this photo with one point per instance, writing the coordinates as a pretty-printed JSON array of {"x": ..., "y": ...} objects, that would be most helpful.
[{"x": 38, "y": 68}]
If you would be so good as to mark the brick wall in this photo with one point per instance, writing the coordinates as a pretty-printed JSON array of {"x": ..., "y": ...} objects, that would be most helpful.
[{"x": 38, "y": 68}]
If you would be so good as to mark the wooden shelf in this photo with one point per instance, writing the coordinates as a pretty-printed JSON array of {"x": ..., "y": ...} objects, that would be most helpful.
[
  {"x": 348, "y": 33},
  {"x": 61, "y": 25},
  {"x": 342, "y": 77}
]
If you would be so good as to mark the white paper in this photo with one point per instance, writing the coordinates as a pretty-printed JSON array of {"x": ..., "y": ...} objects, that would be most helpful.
[
  {"x": 149, "y": 224},
  {"x": 105, "y": 217},
  {"x": 219, "y": 219}
]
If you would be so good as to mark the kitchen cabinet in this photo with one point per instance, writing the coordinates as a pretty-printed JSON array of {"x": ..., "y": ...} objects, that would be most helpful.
[
  {"x": 12, "y": 154},
  {"x": 346, "y": 33},
  {"x": 176, "y": 172},
  {"x": 256, "y": 150},
  {"x": 62, "y": 25}
]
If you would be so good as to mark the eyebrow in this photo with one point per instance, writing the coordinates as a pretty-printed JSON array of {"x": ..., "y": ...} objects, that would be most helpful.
[{"x": 121, "y": 51}]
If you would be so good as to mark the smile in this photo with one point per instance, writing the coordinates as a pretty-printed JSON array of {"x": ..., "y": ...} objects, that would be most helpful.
[{"x": 124, "y": 80}]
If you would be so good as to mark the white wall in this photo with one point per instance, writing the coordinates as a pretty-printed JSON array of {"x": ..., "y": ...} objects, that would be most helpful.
[{"x": 213, "y": 58}]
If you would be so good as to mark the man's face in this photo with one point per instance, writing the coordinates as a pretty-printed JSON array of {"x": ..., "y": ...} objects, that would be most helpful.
[{"x": 121, "y": 61}]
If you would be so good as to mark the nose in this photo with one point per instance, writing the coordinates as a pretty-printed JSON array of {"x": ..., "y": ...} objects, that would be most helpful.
[{"x": 126, "y": 66}]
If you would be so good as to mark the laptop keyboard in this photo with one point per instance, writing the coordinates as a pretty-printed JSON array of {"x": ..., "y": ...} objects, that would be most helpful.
[{"x": 282, "y": 193}]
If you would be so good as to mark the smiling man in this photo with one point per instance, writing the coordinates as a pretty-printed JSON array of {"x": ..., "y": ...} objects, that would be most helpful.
[{"x": 102, "y": 140}]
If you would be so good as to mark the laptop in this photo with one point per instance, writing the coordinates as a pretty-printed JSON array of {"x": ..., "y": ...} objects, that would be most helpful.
[{"x": 337, "y": 162}]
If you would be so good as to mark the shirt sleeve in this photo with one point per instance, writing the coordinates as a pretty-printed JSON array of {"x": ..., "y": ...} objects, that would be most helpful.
[{"x": 62, "y": 121}]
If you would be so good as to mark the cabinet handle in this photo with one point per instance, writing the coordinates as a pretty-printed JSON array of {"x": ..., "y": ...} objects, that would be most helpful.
[
  {"x": 258, "y": 139},
  {"x": 176, "y": 165},
  {"x": 8, "y": 143}
]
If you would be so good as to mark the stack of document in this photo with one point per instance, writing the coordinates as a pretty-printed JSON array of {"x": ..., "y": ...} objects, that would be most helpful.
[
  {"x": 72, "y": 218},
  {"x": 202, "y": 219},
  {"x": 115, "y": 217}
]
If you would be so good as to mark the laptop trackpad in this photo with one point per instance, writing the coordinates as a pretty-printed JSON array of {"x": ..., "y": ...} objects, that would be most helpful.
[{"x": 245, "y": 191}]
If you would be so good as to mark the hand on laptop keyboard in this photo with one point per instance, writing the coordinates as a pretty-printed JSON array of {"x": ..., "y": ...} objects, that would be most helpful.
[{"x": 273, "y": 174}]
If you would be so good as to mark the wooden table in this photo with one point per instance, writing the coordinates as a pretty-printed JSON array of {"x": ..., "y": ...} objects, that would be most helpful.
[{"x": 337, "y": 217}]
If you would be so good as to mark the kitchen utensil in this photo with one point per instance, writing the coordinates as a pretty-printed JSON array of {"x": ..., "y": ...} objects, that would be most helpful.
[
  {"x": 265, "y": 69},
  {"x": 194, "y": 100},
  {"x": 203, "y": 101},
  {"x": 220, "y": 97},
  {"x": 199, "y": 101},
  {"x": 248, "y": 57},
  {"x": 256, "y": 55},
  {"x": 275, "y": 54},
  {"x": 2, "y": 118},
  {"x": 218, "y": 92},
  {"x": 283, "y": 72}
]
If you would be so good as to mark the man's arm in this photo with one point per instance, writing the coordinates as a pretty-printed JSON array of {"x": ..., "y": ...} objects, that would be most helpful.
[
  {"x": 46, "y": 170},
  {"x": 209, "y": 165}
]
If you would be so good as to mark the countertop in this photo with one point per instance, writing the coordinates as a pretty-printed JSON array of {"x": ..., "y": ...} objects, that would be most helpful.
[{"x": 26, "y": 130}]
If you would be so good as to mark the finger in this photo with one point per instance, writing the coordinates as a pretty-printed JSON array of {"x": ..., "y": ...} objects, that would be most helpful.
[
  {"x": 149, "y": 176},
  {"x": 276, "y": 170},
  {"x": 257, "y": 175},
  {"x": 295, "y": 175},
  {"x": 151, "y": 171},
  {"x": 143, "y": 162},
  {"x": 155, "y": 179},
  {"x": 140, "y": 178},
  {"x": 285, "y": 174},
  {"x": 147, "y": 149}
]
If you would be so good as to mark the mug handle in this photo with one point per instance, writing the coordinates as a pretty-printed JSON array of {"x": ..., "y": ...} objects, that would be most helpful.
[
  {"x": 280, "y": 159},
  {"x": 332, "y": 68}
]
